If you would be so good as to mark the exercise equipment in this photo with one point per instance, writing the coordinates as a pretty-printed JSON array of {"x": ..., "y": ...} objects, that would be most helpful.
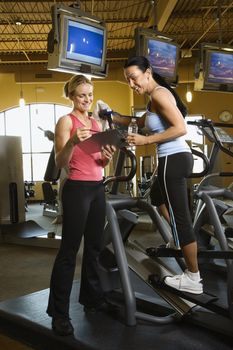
[
  {"x": 222, "y": 198},
  {"x": 122, "y": 257},
  {"x": 50, "y": 200},
  {"x": 12, "y": 199},
  {"x": 13, "y": 226},
  {"x": 51, "y": 176}
]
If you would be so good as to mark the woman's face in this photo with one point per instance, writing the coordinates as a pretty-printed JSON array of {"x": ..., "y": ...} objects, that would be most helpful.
[
  {"x": 83, "y": 97},
  {"x": 137, "y": 80}
]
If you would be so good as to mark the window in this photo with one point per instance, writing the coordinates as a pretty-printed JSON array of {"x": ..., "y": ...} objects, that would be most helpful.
[
  {"x": 196, "y": 140},
  {"x": 2, "y": 124},
  {"x": 17, "y": 123},
  {"x": 30, "y": 122},
  {"x": 192, "y": 130}
]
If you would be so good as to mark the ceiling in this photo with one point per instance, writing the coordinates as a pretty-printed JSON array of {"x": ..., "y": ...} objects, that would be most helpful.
[{"x": 190, "y": 22}]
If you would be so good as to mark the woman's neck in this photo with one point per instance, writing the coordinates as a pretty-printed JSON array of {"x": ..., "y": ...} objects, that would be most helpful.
[
  {"x": 152, "y": 87},
  {"x": 79, "y": 114}
]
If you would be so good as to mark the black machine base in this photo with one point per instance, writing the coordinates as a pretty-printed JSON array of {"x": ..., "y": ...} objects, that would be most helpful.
[{"x": 25, "y": 318}]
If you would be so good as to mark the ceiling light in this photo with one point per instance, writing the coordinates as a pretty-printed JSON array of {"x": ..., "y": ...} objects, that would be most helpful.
[
  {"x": 21, "y": 102},
  {"x": 189, "y": 95},
  {"x": 229, "y": 49},
  {"x": 21, "y": 99},
  {"x": 18, "y": 22}
]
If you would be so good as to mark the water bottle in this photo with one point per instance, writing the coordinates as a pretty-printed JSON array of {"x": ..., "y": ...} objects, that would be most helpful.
[{"x": 133, "y": 127}]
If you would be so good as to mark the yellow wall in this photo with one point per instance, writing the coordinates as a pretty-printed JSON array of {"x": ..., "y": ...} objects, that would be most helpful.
[{"x": 114, "y": 91}]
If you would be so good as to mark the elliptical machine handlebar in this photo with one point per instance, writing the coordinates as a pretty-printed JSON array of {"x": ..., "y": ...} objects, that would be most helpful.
[
  {"x": 107, "y": 115},
  {"x": 130, "y": 175},
  {"x": 213, "y": 137},
  {"x": 206, "y": 161}
]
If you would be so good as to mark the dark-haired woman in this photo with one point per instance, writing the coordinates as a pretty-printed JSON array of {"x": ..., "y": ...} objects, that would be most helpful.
[{"x": 165, "y": 120}]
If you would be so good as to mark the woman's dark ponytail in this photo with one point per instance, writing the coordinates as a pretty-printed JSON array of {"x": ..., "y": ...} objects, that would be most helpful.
[{"x": 162, "y": 82}]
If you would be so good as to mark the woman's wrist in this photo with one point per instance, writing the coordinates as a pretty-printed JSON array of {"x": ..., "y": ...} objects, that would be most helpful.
[
  {"x": 148, "y": 141},
  {"x": 74, "y": 140},
  {"x": 105, "y": 161}
]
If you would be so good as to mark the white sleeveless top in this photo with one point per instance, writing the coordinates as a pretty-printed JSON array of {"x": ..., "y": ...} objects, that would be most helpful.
[{"x": 157, "y": 124}]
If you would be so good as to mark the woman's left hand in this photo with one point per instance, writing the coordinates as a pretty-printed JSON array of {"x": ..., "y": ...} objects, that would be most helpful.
[
  {"x": 136, "y": 139},
  {"x": 108, "y": 151}
]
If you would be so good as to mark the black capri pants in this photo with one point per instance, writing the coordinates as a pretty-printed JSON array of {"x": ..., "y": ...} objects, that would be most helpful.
[{"x": 170, "y": 188}]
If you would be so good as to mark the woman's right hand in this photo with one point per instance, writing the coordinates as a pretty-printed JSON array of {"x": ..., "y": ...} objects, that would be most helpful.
[{"x": 80, "y": 135}]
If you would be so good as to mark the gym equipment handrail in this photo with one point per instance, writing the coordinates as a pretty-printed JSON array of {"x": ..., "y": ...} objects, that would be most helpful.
[{"x": 208, "y": 123}]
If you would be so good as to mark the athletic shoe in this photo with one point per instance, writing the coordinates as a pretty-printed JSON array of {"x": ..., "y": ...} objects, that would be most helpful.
[
  {"x": 62, "y": 326},
  {"x": 184, "y": 283},
  {"x": 103, "y": 307}
]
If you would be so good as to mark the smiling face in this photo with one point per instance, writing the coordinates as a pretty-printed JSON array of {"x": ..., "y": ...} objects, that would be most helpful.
[
  {"x": 83, "y": 97},
  {"x": 137, "y": 79}
]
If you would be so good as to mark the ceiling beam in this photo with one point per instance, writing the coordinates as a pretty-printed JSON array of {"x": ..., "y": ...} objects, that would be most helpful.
[
  {"x": 9, "y": 2},
  {"x": 161, "y": 13}
]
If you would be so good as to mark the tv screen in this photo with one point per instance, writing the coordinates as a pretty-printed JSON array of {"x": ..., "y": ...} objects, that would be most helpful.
[
  {"x": 163, "y": 57},
  {"x": 160, "y": 50},
  {"x": 219, "y": 67},
  {"x": 85, "y": 43},
  {"x": 77, "y": 42}
]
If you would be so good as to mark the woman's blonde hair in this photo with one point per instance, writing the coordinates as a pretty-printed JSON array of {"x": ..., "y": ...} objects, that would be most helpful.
[{"x": 71, "y": 85}]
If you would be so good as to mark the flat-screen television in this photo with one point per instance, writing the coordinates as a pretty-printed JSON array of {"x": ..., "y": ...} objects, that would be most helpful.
[
  {"x": 219, "y": 70},
  {"x": 214, "y": 69},
  {"x": 77, "y": 42},
  {"x": 160, "y": 50}
]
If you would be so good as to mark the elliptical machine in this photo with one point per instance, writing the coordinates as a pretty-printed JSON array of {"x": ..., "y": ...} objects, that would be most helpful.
[
  {"x": 222, "y": 197},
  {"x": 121, "y": 259}
]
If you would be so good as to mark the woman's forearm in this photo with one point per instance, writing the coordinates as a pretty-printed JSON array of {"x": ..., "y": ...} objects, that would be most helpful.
[{"x": 63, "y": 156}]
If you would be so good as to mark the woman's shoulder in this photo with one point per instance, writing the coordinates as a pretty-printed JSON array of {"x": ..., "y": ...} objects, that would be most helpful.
[
  {"x": 161, "y": 92},
  {"x": 65, "y": 120},
  {"x": 158, "y": 90}
]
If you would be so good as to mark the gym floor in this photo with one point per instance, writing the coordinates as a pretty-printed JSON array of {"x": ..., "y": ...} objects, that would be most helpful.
[{"x": 26, "y": 271}]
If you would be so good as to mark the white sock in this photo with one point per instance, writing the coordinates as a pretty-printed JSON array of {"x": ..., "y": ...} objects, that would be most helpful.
[{"x": 195, "y": 276}]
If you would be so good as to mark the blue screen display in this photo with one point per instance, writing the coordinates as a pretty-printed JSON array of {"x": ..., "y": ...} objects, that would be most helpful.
[
  {"x": 85, "y": 43},
  {"x": 162, "y": 57},
  {"x": 220, "y": 68}
]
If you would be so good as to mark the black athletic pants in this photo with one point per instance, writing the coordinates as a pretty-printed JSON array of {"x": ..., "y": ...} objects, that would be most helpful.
[
  {"x": 170, "y": 188},
  {"x": 83, "y": 215}
]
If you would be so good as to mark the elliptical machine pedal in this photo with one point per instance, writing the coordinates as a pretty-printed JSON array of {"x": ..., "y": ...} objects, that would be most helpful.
[{"x": 203, "y": 299}]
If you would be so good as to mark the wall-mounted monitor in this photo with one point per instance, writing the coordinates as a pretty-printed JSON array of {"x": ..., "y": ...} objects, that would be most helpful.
[
  {"x": 219, "y": 70},
  {"x": 214, "y": 71},
  {"x": 77, "y": 42},
  {"x": 160, "y": 50}
]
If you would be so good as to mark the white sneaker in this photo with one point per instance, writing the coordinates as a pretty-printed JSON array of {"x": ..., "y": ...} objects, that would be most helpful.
[{"x": 184, "y": 283}]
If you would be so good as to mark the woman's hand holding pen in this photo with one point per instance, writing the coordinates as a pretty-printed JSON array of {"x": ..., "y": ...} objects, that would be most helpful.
[{"x": 81, "y": 134}]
